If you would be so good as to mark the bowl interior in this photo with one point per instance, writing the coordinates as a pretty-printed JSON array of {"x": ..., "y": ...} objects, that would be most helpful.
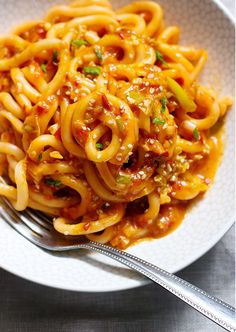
[{"x": 203, "y": 24}]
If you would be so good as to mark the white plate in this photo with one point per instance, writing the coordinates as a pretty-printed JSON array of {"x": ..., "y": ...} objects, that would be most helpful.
[{"x": 203, "y": 24}]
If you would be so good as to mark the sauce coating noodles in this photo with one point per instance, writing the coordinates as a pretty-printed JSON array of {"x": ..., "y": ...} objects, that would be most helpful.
[{"x": 103, "y": 125}]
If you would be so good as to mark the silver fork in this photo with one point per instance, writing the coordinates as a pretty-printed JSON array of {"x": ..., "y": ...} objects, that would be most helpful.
[{"x": 38, "y": 229}]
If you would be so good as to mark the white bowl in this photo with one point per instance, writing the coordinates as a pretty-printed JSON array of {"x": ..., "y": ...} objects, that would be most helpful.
[{"x": 204, "y": 24}]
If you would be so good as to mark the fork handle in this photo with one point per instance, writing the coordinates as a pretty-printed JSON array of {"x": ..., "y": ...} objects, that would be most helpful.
[{"x": 218, "y": 311}]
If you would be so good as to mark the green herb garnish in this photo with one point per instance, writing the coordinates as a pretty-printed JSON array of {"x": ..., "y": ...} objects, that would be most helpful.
[
  {"x": 78, "y": 42},
  {"x": 40, "y": 156},
  {"x": 159, "y": 57},
  {"x": 55, "y": 58},
  {"x": 44, "y": 67},
  {"x": 51, "y": 182},
  {"x": 158, "y": 121},
  {"x": 99, "y": 146},
  {"x": 92, "y": 70},
  {"x": 98, "y": 54},
  {"x": 123, "y": 179},
  {"x": 196, "y": 134},
  {"x": 181, "y": 95},
  {"x": 163, "y": 104}
]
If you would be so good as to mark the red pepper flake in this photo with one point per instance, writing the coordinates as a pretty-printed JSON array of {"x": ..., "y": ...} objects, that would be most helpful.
[
  {"x": 86, "y": 226},
  {"x": 135, "y": 109},
  {"x": 119, "y": 53},
  {"x": 77, "y": 84},
  {"x": 147, "y": 16},
  {"x": 150, "y": 135},
  {"x": 41, "y": 109},
  {"x": 41, "y": 30},
  {"x": 180, "y": 80},
  {"x": 176, "y": 186},
  {"x": 117, "y": 112},
  {"x": 35, "y": 33},
  {"x": 150, "y": 160},
  {"x": 105, "y": 102},
  {"x": 58, "y": 134},
  {"x": 82, "y": 135},
  {"x": 101, "y": 32},
  {"x": 165, "y": 154}
]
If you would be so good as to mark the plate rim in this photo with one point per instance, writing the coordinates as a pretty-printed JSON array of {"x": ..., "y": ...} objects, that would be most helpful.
[{"x": 143, "y": 282}]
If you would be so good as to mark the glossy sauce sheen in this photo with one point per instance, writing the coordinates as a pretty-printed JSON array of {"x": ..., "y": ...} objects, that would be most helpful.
[{"x": 174, "y": 214}]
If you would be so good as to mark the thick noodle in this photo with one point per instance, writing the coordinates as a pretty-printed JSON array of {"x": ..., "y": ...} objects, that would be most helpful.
[{"x": 103, "y": 125}]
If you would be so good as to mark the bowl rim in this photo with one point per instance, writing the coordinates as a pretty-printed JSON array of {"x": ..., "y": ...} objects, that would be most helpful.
[
  {"x": 143, "y": 282},
  {"x": 225, "y": 10}
]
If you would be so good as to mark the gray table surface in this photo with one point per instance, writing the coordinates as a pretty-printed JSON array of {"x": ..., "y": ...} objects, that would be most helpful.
[{"x": 28, "y": 307}]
